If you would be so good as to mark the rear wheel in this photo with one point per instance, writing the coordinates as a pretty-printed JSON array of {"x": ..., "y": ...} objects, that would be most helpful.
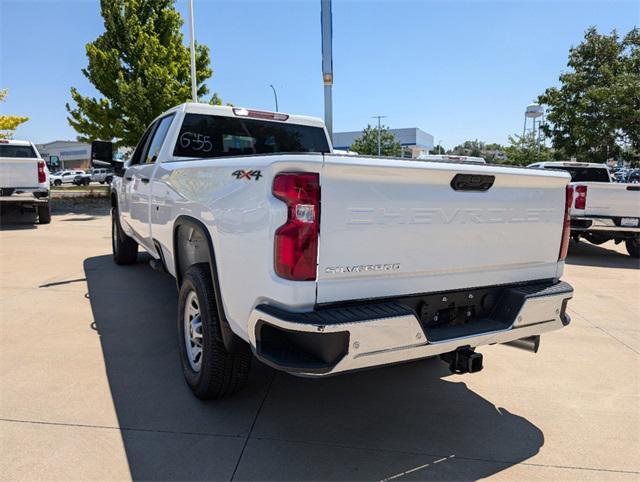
[
  {"x": 209, "y": 369},
  {"x": 44, "y": 213},
  {"x": 125, "y": 249},
  {"x": 633, "y": 247}
]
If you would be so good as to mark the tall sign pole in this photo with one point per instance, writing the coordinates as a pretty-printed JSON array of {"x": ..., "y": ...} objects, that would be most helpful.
[
  {"x": 192, "y": 46},
  {"x": 327, "y": 63}
]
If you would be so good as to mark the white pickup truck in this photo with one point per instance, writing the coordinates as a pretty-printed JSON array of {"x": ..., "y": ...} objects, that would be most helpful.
[
  {"x": 322, "y": 264},
  {"x": 602, "y": 210},
  {"x": 24, "y": 178}
]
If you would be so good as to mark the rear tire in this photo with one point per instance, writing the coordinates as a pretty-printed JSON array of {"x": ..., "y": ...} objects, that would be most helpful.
[
  {"x": 633, "y": 247},
  {"x": 209, "y": 369},
  {"x": 44, "y": 213},
  {"x": 125, "y": 249}
]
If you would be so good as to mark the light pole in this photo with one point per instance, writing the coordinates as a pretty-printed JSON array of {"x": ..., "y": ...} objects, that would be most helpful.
[
  {"x": 378, "y": 117},
  {"x": 327, "y": 62},
  {"x": 192, "y": 46},
  {"x": 275, "y": 96}
]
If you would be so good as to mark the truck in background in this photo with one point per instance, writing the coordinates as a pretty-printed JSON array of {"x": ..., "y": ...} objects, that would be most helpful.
[
  {"x": 602, "y": 209},
  {"x": 24, "y": 178}
]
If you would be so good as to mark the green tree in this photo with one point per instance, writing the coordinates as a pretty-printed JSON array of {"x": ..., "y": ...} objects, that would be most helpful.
[
  {"x": 595, "y": 112},
  {"x": 525, "y": 150},
  {"x": 469, "y": 148},
  {"x": 367, "y": 143},
  {"x": 141, "y": 67},
  {"x": 9, "y": 123}
]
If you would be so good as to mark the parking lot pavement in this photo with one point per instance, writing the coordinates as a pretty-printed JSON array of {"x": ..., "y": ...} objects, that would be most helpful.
[{"x": 91, "y": 386}]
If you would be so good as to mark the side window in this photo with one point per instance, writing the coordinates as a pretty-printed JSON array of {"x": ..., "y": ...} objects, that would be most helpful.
[
  {"x": 141, "y": 147},
  {"x": 158, "y": 139}
]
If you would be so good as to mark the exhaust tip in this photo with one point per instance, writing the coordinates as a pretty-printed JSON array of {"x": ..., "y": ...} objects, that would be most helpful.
[{"x": 530, "y": 343}]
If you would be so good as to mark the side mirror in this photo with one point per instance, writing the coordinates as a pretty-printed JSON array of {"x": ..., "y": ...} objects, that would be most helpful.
[{"x": 102, "y": 156}]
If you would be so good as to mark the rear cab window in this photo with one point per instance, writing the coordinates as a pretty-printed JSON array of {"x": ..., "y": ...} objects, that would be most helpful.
[
  {"x": 584, "y": 174},
  {"x": 205, "y": 136},
  {"x": 12, "y": 150}
]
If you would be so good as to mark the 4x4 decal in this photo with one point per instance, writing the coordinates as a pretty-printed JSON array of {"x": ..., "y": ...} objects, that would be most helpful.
[{"x": 247, "y": 174}]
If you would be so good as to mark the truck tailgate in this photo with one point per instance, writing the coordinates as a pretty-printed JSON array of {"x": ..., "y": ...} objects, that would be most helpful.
[
  {"x": 17, "y": 172},
  {"x": 392, "y": 227},
  {"x": 612, "y": 199}
]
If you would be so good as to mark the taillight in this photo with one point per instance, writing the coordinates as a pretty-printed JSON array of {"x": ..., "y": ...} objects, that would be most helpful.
[
  {"x": 296, "y": 241},
  {"x": 566, "y": 227},
  {"x": 42, "y": 175},
  {"x": 581, "y": 197}
]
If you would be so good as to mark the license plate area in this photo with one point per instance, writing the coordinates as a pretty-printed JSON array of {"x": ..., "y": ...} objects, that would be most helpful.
[{"x": 629, "y": 222}]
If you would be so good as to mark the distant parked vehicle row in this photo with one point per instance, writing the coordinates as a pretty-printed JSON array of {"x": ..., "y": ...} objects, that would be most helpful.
[
  {"x": 82, "y": 178},
  {"x": 65, "y": 177}
]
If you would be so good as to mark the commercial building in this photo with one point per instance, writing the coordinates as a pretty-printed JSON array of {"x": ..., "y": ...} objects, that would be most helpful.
[
  {"x": 413, "y": 140},
  {"x": 66, "y": 154}
]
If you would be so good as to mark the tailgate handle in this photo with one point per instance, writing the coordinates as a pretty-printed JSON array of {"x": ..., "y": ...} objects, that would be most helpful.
[{"x": 472, "y": 182}]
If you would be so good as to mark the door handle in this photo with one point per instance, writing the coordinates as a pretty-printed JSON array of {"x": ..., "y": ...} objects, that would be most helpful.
[
  {"x": 128, "y": 178},
  {"x": 472, "y": 182},
  {"x": 144, "y": 179}
]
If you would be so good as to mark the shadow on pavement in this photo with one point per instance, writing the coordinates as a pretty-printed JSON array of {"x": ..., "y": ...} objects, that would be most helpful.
[
  {"x": 14, "y": 217},
  {"x": 367, "y": 425},
  {"x": 587, "y": 254}
]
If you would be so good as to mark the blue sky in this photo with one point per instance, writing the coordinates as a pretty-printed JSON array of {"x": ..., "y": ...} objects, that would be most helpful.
[{"x": 457, "y": 69}]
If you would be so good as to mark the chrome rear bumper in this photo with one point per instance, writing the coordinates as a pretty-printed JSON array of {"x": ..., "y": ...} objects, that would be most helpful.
[
  {"x": 579, "y": 224},
  {"x": 331, "y": 341},
  {"x": 25, "y": 196}
]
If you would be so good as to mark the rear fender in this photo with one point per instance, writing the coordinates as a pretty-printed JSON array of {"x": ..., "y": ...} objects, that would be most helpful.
[{"x": 185, "y": 258}]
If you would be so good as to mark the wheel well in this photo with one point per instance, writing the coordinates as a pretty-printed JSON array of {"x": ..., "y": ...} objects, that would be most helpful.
[
  {"x": 190, "y": 247},
  {"x": 192, "y": 244}
]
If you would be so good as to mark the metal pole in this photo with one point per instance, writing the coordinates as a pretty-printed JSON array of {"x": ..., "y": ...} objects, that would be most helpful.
[
  {"x": 524, "y": 129},
  {"x": 275, "y": 96},
  {"x": 194, "y": 90},
  {"x": 379, "y": 128},
  {"x": 327, "y": 63}
]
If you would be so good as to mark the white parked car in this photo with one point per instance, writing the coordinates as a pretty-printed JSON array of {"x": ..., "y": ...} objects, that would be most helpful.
[
  {"x": 24, "y": 178},
  {"x": 101, "y": 175},
  {"x": 65, "y": 177},
  {"x": 322, "y": 264},
  {"x": 602, "y": 209}
]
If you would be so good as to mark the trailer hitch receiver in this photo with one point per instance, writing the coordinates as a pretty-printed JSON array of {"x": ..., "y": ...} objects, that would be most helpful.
[{"x": 463, "y": 360}]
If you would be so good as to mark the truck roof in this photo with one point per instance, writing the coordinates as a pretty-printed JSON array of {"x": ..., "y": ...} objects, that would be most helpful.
[
  {"x": 568, "y": 164},
  {"x": 233, "y": 111},
  {"x": 15, "y": 142}
]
